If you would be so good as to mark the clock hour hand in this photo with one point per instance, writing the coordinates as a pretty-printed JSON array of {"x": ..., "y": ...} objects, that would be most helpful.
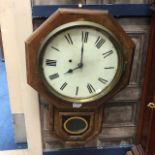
[
  {"x": 72, "y": 70},
  {"x": 69, "y": 71}
]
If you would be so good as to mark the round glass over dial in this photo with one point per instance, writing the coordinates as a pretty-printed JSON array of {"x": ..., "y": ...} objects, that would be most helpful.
[{"x": 80, "y": 61}]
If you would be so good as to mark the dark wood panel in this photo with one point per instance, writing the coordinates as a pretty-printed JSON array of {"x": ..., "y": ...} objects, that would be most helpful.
[{"x": 146, "y": 126}]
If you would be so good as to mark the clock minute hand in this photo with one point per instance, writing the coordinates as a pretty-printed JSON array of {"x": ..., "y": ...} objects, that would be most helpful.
[
  {"x": 81, "y": 59},
  {"x": 80, "y": 65}
]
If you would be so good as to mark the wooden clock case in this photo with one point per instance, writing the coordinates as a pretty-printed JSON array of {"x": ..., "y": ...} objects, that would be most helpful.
[{"x": 91, "y": 112}]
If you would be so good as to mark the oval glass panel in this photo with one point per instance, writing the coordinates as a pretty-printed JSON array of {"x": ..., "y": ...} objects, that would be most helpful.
[{"x": 75, "y": 125}]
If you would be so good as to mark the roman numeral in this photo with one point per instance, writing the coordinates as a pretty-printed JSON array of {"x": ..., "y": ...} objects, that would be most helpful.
[
  {"x": 108, "y": 67},
  {"x": 68, "y": 38},
  {"x": 106, "y": 54},
  {"x": 85, "y": 37},
  {"x": 104, "y": 81},
  {"x": 90, "y": 88},
  {"x": 54, "y": 76},
  {"x": 99, "y": 42},
  {"x": 51, "y": 62},
  {"x": 55, "y": 48},
  {"x": 77, "y": 90},
  {"x": 63, "y": 86}
]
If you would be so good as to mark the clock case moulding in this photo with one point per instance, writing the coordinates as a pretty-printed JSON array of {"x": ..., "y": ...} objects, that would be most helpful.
[
  {"x": 94, "y": 120},
  {"x": 63, "y": 16}
]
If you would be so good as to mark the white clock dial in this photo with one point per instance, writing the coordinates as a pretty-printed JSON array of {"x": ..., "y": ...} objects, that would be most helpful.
[{"x": 80, "y": 62}]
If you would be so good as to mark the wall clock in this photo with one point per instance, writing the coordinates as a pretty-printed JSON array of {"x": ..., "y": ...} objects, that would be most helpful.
[
  {"x": 72, "y": 52},
  {"x": 77, "y": 60}
]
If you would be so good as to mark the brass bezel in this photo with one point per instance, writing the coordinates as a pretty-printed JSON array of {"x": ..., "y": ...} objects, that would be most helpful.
[
  {"x": 78, "y": 132},
  {"x": 102, "y": 29}
]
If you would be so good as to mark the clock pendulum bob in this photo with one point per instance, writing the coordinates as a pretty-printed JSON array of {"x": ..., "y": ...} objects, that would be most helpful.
[{"x": 77, "y": 60}]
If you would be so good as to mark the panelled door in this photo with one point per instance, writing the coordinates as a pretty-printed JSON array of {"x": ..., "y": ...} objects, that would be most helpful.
[{"x": 146, "y": 131}]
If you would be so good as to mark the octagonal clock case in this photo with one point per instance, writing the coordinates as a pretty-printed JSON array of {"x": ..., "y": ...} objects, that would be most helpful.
[{"x": 77, "y": 60}]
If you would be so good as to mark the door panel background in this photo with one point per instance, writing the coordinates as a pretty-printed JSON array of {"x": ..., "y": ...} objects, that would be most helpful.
[{"x": 121, "y": 113}]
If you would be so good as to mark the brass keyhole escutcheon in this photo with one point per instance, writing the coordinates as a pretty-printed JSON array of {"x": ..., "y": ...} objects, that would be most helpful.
[{"x": 151, "y": 105}]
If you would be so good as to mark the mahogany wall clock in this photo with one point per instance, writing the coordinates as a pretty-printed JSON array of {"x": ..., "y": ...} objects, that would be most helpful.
[{"x": 77, "y": 60}]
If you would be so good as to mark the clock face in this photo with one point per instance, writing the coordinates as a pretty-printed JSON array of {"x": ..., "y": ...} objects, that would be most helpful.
[{"x": 80, "y": 61}]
